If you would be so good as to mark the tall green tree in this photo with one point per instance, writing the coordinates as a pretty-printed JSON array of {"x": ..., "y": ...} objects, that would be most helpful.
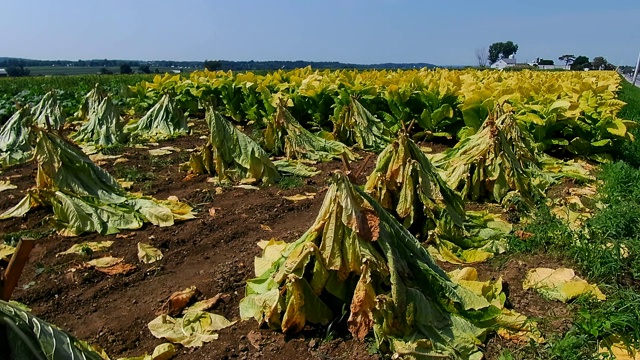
[
  {"x": 580, "y": 63},
  {"x": 212, "y": 65},
  {"x": 600, "y": 63},
  {"x": 126, "y": 69},
  {"x": 567, "y": 58},
  {"x": 144, "y": 69},
  {"x": 501, "y": 50}
]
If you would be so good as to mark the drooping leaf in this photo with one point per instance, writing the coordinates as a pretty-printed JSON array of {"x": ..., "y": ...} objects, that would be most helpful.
[
  {"x": 355, "y": 252},
  {"x": 31, "y": 338},
  {"x": 16, "y": 138},
  {"x": 499, "y": 159},
  {"x": 84, "y": 197},
  {"x": 104, "y": 126},
  {"x": 164, "y": 120},
  {"x": 47, "y": 113},
  {"x": 230, "y": 154},
  {"x": 284, "y": 135}
]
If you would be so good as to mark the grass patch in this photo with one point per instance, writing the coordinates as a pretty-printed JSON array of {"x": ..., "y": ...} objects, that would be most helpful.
[
  {"x": 132, "y": 174},
  {"x": 115, "y": 149},
  {"x": 630, "y": 151},
  {"x": 13, "y": 238},
  {"x": 290, "y": 182}
]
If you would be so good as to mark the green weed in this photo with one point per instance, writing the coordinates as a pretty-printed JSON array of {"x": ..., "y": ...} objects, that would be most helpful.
[
  {"x": 132, "y": 174},
  {"x": 290, "y": 182},
  {"x": 13, "y": 238}
]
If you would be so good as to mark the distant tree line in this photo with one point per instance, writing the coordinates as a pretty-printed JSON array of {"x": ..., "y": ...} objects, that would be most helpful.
[
  {"x": 127, "y": 66},
  {"x": 7, "y": 62},
  {"x": 289, "y": 65}
]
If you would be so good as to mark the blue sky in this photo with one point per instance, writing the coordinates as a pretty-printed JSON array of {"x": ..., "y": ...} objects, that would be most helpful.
[{"x": 444, "y": 32}]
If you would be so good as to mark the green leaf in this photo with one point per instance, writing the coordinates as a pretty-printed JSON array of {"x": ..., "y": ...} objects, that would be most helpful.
[{"x": 32, "y": 338}]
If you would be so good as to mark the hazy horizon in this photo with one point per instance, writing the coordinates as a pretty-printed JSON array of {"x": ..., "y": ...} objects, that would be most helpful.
[{"x": 353, "y": 31}]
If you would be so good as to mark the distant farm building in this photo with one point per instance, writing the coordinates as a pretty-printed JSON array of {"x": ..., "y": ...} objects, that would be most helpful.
[
  {"x": 503, "y": 63},
  {"x": 3, "y": 73}
]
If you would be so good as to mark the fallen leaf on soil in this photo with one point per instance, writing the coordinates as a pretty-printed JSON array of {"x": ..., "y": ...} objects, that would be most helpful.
[
  {"x": 516, "y": 328},
  {"x": 247, "y": 187},
  {"x": 204, "y": 305},
  {"x": 586, "y": 191},
  {"x": 91, "y": 246},
  {"x": 248, "y": 181},
  {"x": 124, "y": 236},
  {"x": 119, "y": 269},
  {"x": 523, "y": 235},
  {"x": 212, "y": 180},
  {"x": 6, "y": 185},
  {"x": 105, "y": 262},
  {"x": 147, "y": 254},
  {"x": 100, "y": 157},
  {"x": 170, "y": 148},
  {"x": 121, "y": 161},
  {"x": 265, "y": 227},
  {"x": 153, "y": 144},
  {"x": 560, "y": 284},
  {"x": 140, "y": 146},
  {"x": 254, "y": 339},
  {"x": 189, "y": 177},
  {"x": 192, "y": 330},
  {"x": 159, "y": 152},
  {"x": 219, "y": 190},
  {"x": 173, "y": 198},
  {"x": 512, "y": 325},
  {"x": 618, "y": 349},
  {"x": 125, "y": 184},
  {"x": 179, "y": 300},
  {"x": 574, "y": 219},
  {"x": 300, "y": 197},
  {"x": 161, "y": 352},
  {"x": 89, "y": 149},
  {"x": 212, "y": 212},
  {"x": 6, "y": 251}
]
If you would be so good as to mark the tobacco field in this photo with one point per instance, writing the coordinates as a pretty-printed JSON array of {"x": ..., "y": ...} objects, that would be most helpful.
[{"x": 421, "y": 214}]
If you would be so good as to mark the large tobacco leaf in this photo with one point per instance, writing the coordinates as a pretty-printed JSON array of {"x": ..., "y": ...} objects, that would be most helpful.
[
  {"x": 284, "y": 135},
  {"x": 32, "y": 338},
  {"x": 354, "y": 124},
  {"x": 104, "y": 126},
  {"x": 232, "y": 155},
  {"x": 406, "y": 184},
  {"x": 164, "y": 120},
  {"x": 357, "y": 256},
  {"x": 16, "y": 138},
  {"x": 84, "y": 197},
  {"x": 498, "y": 160},
  {"x": 47, "y": 113}
]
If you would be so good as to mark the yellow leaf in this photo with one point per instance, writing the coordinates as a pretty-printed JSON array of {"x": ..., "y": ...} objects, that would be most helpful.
[
  {"x": 105, "y": 262},
  {"x": 148, "y": 254},
  {"x": 300, "y": 197},
  {"x": 560, "y": 284}
]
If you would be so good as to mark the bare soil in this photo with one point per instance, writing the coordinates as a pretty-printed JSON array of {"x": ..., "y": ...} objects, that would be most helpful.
[{"x": 214, "y": 253}]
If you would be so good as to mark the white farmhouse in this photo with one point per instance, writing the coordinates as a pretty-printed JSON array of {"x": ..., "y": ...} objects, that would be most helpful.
[
  {"x": 503, "y": 63},
  {"x": 3, "y": 72}
]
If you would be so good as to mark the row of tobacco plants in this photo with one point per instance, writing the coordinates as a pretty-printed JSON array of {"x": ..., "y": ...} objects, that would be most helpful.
[{"x": 372, "y": 248}]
